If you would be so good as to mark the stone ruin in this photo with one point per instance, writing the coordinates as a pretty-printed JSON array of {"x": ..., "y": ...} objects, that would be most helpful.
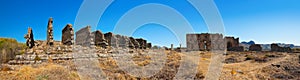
[
  {"x": 204, "y": 42},
  {"x": 276, "y": 48},
  {"x": 58, "y": 50},
  {"x": 84, "y": 37},
  {"x": 142, "y": 42},
  {"x": 99, "y": 39},
  {"x": 232, "y": 44},
  {"x": 29, "y": 38},
  {"x": 122, "y": 41},
  {"x": 111, "y": 40},
  {"x": 68, "y": 35},
  {"x": 50, "y": 32},
  {"x": 149, "y": 45},
  {"x": 135, "y": 43},
  {"x": 255, "y": 47}
]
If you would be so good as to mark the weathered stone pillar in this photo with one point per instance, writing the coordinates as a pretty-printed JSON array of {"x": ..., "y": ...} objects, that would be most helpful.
[
  {"x": 29, "y": 38},
  {"x": 50, "y": 32}
]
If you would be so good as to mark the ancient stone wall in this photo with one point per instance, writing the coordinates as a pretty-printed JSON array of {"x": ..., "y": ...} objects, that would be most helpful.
[
  {"x": 276, "y": 48},
  {"x": 142, "y": 42},
  {"x": 99, "y": 39},
  {"x": 193, "y": 43},
  {"x": 111, "y": 39},
  {"x": 255, "y": 47},
  {"x": 122, "y": 41},
  {"x": 68, "y": 35},
  {"x": 134, "y": 42},
  {"x": 84, "y": 37},
  {"x": 204, "y": 42},
  {"x": 232, "y": 44},
  {"x": 50, "y": 32}
]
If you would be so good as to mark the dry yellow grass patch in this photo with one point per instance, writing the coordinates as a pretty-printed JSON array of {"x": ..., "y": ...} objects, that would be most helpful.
[{"x": 41, "y": 72}]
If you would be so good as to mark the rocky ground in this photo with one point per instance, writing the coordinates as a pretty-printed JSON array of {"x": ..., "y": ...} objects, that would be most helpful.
[{"x": 236, "y": 66}]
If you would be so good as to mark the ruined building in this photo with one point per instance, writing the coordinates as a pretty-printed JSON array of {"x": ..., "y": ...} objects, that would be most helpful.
[
  {"x": 50, "y": 32},
  {"x": 232, "y": 44},
  {"x": 204, "y": 42},
  {"x": 276, "y": 48},
  {"x": 255, "y": 47},
  {"x": 84, "y": 37},
  {"x": 68, "y": 35},
  {"x": 208, "y": 42},
  {"x": 99, "y": 39},
  {"x": 29, "y": 38}
]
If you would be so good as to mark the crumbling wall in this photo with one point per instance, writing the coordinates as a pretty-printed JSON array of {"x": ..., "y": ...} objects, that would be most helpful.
[
  {"x": 84, "y": 37},
  {"x": 255, "y": 47},
  {"x": 232, "y": 44},
  {"x": 276, "y": 48},
  {"x": 204, "y": 42},
  {"x": 68, "y": 35},
  {"x": 142, "y": 42},
  {"x": 99, "y": 39}
]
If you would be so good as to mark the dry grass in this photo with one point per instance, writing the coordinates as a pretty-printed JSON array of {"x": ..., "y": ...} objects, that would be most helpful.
[
  {"x": 241, "y": 70},
  {"x": 41, "y": 72}
]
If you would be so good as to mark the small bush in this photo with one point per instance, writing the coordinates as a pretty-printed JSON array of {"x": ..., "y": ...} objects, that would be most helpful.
[{"x": 249, "y": 57}]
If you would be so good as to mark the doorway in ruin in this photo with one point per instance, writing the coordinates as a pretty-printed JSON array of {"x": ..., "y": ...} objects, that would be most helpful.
[
  {"x": 205, "y": 45},
  {"x": 229, "y": 45}
]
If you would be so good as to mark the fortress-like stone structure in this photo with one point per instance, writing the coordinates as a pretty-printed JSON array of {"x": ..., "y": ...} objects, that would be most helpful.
[{"x": 209, "y": 41}]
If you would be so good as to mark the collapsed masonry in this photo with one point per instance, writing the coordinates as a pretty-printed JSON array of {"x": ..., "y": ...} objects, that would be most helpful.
[
  {"x": 208, "y": 42},
  {"x": 29, "y": 38}
]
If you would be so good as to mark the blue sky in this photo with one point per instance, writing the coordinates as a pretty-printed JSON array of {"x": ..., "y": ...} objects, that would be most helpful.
[{"x": 264, "y": 21}]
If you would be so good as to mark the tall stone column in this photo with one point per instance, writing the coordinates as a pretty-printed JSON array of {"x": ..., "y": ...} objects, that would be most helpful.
[
  {"x": 50, "y": 32},
  {"x": 29, "y": 38}
]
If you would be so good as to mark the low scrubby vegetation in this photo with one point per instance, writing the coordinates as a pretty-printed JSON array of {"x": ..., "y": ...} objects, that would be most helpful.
[{"x": 9, "y": 48}]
